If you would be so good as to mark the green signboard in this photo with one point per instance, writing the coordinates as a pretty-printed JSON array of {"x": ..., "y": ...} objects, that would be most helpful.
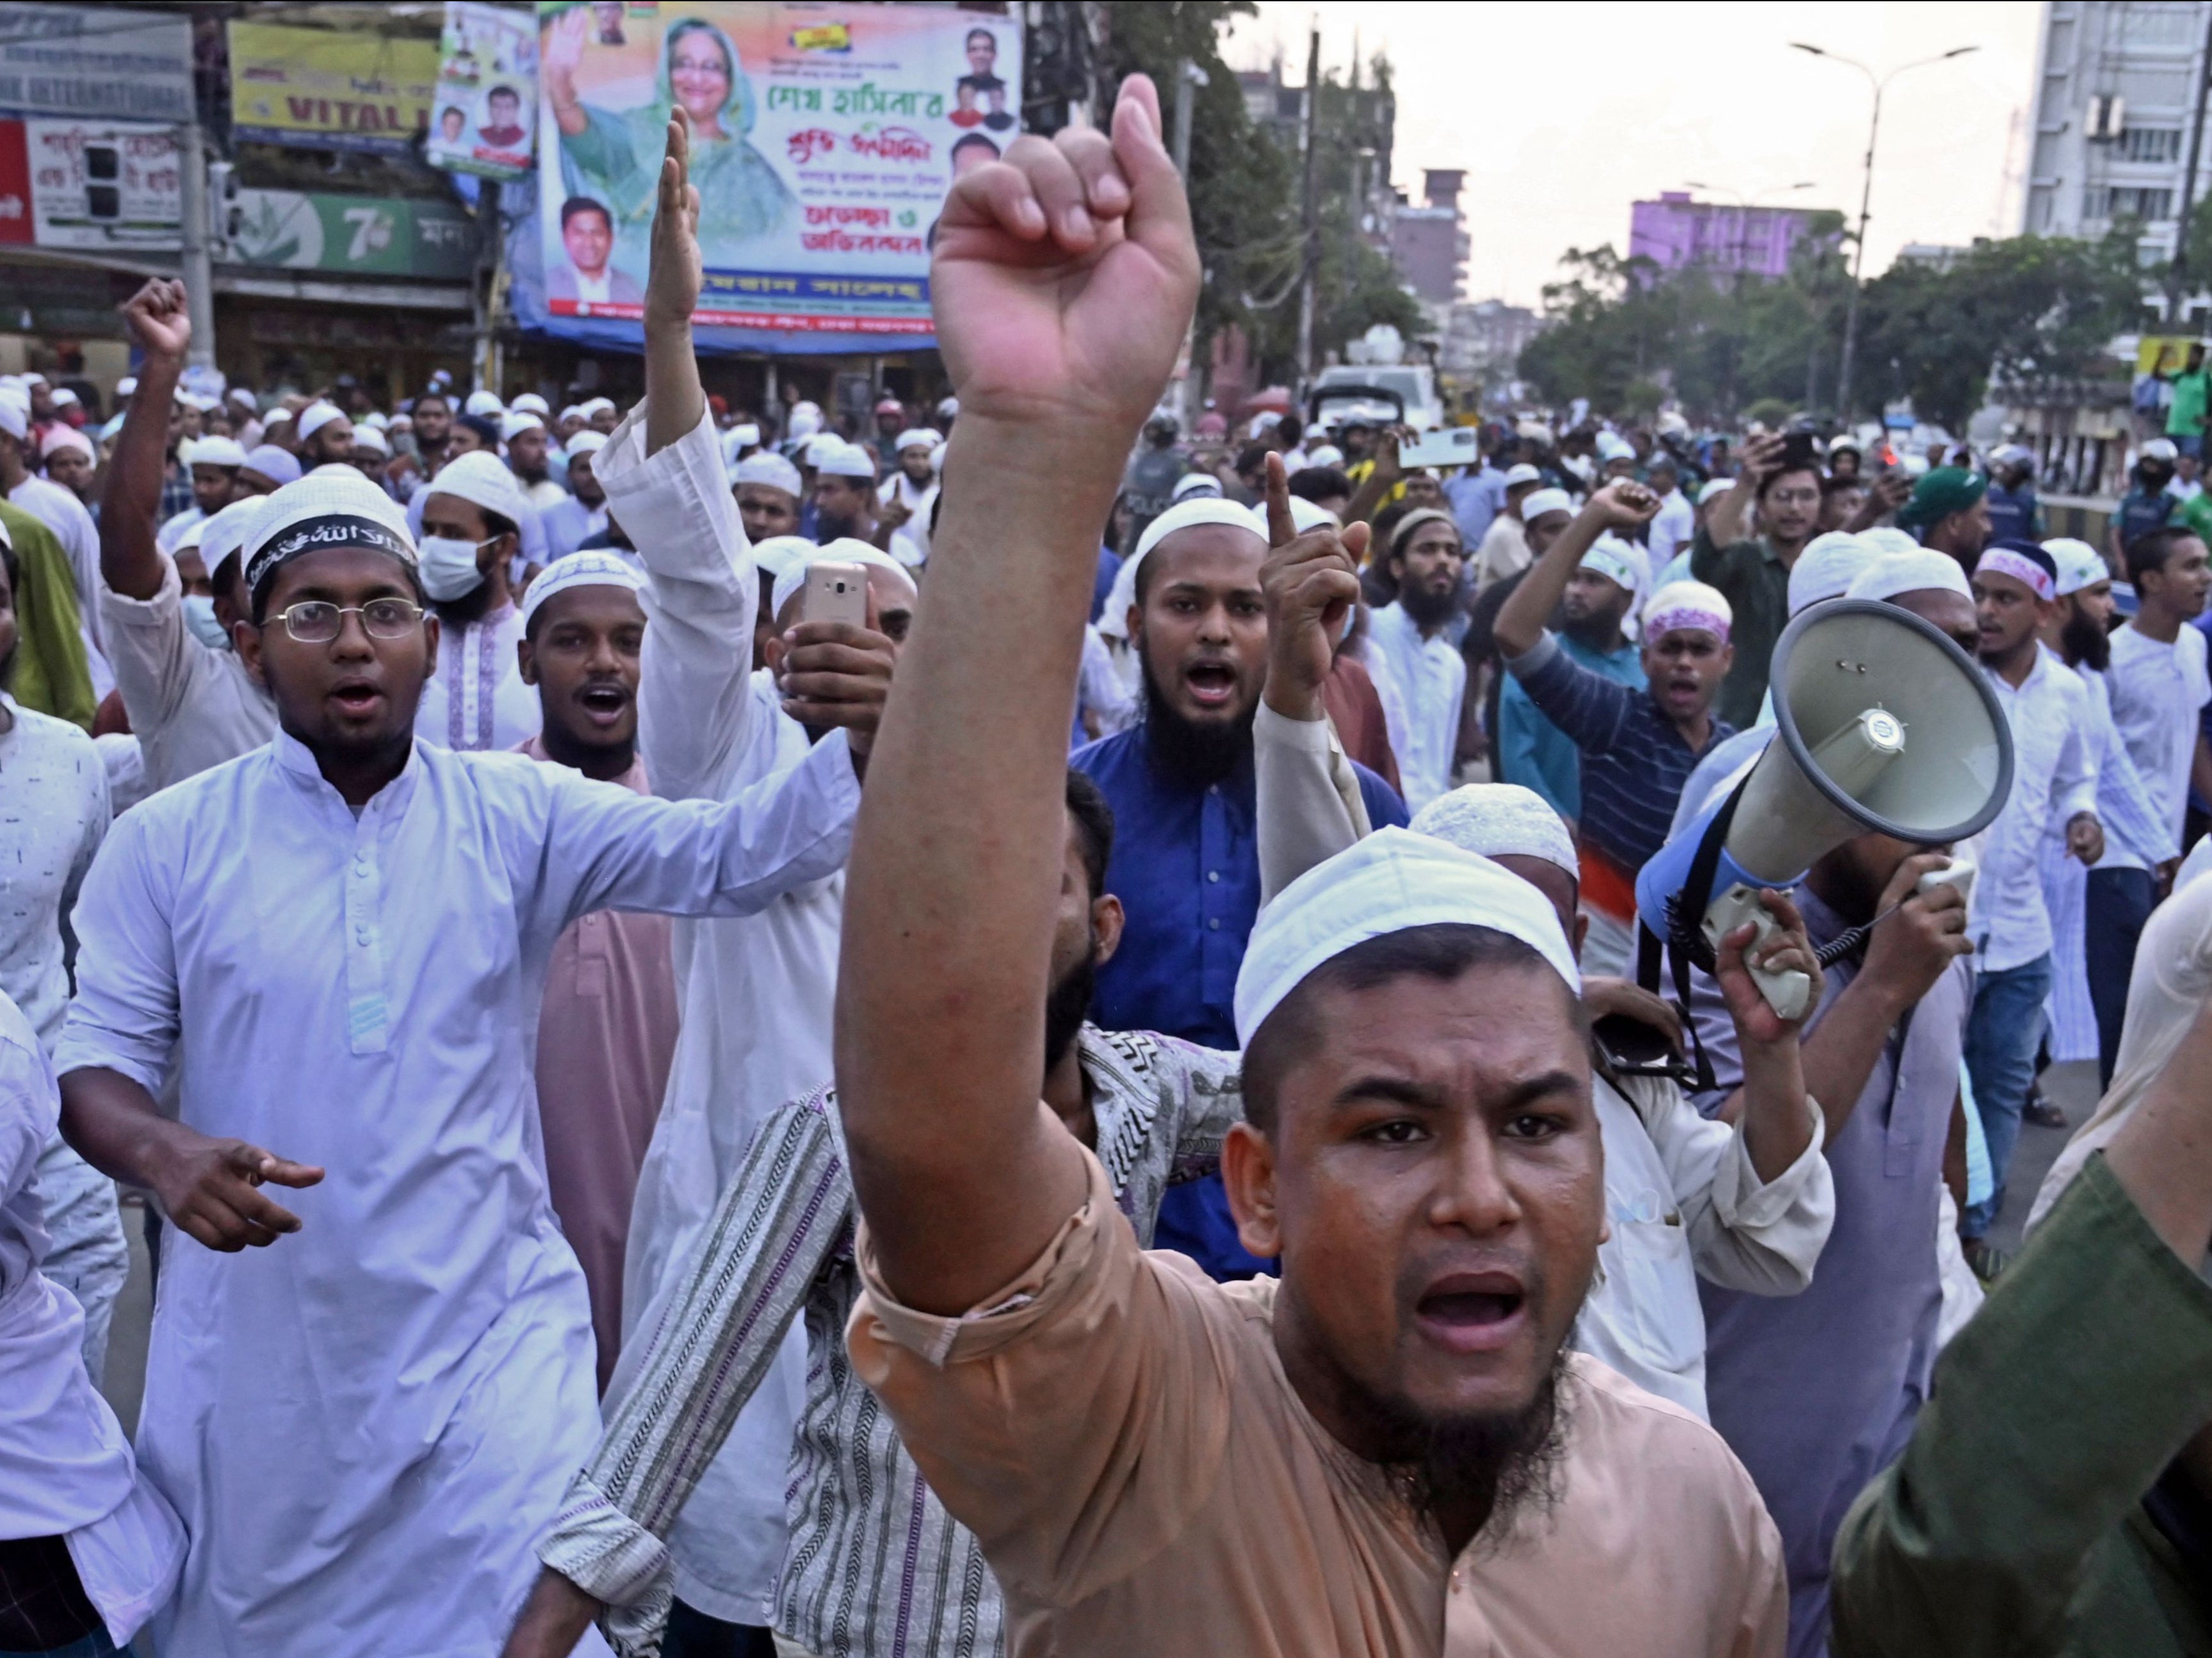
[{"x": 358, "y": 235}]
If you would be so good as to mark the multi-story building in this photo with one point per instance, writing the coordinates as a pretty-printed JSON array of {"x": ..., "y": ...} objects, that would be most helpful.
[
  {"x": 2119, "y": 90},
  {"x": 1677, "y": 232},
  {"x": 1430, "y": 242}
]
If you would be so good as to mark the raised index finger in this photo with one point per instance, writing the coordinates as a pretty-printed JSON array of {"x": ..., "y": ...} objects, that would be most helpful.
[{"x": 1282, "y": 528}]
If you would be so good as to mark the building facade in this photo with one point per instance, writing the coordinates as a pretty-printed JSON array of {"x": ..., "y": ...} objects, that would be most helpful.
[
  {"x": 1430, "y": 242},
  {"x": 2118, "y": 92},
  {"x": 1677, "y": 232}
]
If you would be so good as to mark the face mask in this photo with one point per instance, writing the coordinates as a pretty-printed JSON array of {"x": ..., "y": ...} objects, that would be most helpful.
[
  {"x": 448, "y": 567},
  {"x": 199, "y": 617}
]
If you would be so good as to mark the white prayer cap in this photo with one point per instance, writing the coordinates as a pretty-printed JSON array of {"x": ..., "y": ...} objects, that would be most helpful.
[
  {"x": 1522, "y": 472},
  {"x": 1189, "y": 515},
  {"x": 820, "y": 447},
  {"x": 596, "y": 568},
  {"x": 188, "y": 539},
  {"x": 367, "y": 437},
  {"x": 61, "y": 438},
  {"x": 1612, "y": 447},
  {"x": 1888, "y": 538},
  {"x": 1192, "y": 486},
  {"x": 1538, "y": 502},
  {"x": 804, "y": 423},
  {"x": 32, "y": 377},
  {"x": 1312, "y": 515},
  {"x": 279, "y": 466},
  {"x": 14, "y": 418},
  {"x": 846, "y": 549},
  {"x": 1327, "y": 454},
  {"x": 1687, "y": 606},
  {"x": 332, "y": 507},
  {"x": 591, "y": 406},
  {"x": 948, "y": 408},
  {"x": 775, "y": 554},
  {"x": 586, "y": 443},
  {"x": 2156, "y": 449},
  {"x": 743, "y": 435},
  {"x": 225, "y": 533},
  {"x": 483, "y": 402},
  {"x": 126, "y": 385},
  {"x": 481, "y": 478},
  {"x": 1391, "y": 882},
  {"x": 279, "y": 413},
  {"x": 2080, "y": 565},
  {"x": 217, "y": 451},
  {"x": 64, "y": 398},
  {"x": 847, "y": 460},
  {"x": 373, "y": 418},
  {"x": 1714, "y": 489},
  {"x": 1621, "y": 563},
  {"x": 1922, "y": 568},
  {"x": 244, "y": 398},
  {"x": 316, "y": 417},
  {"x": 1829, "y": 564},
  {"x": 1533, "y": 428},
  {"x": 512, "y": 425},
  {"x": 530, "y": 402},
  {"x": 1500, "y": 820},
  {"x": 920, "y": 437},
  {"x": 2013, "y": 455},
  {"x": 769, "y": 469},
  {"x": 575, "y": 408}
]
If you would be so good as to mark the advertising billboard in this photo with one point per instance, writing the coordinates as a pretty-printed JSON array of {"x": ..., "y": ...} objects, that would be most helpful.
[
  {"x": 824, "y": 139},
  {"x": 329, "y": 89}
]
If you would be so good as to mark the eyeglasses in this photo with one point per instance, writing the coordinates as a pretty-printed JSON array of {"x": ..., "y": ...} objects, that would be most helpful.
[{"x": 317, "y": 622}]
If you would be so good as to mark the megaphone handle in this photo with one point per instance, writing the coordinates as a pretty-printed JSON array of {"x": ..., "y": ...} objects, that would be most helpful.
[{"x": 1788, "y": 993}]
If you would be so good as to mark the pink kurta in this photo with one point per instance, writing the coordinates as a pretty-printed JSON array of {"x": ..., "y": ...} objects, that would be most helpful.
[{"x": 605, "y": 1033}]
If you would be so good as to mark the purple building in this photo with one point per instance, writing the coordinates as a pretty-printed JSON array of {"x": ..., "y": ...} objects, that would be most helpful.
[
  {"x": 1675, "y": 232},
  {"x": 1429, "y": 244}
]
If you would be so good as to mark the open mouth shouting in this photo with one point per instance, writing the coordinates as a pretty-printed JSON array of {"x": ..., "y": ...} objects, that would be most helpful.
[
  {"x": 1474, "y": 1312},
  {"x": 1212, "y": 682},
  {"x": 357, "y": 699},
  {"x": 605, "y": 701}
]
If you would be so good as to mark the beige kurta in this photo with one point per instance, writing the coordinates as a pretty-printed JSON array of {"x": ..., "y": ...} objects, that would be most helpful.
[
  {"x": 606, "y": 1032},
  {"x": 1123, "y": 1439}
]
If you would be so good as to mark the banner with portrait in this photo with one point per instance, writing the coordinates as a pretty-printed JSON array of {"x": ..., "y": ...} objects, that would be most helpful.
[
  {"x": 486, "y": 111},
  {"x": 824, "y": 137}
]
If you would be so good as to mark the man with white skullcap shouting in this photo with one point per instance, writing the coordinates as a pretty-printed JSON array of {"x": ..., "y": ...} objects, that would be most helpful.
[
  {"x": 339, "y": 944},
  {"x": 1383, "y": 1451}
]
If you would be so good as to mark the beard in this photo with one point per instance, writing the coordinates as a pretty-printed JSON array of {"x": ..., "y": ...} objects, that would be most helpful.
[
  {"x": 1596, "y": 629},
  {"x": 1194, "y": 752},
  {"x": 1068, "y": 1003},
  {"x": 2082, "y": 642},
  {"x": 831, "y": 527},
  {"x": 1428, "y": 608},
  {"x": 1499, "y": 1465}
]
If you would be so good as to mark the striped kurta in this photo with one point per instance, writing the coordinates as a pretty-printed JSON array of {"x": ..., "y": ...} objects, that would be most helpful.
[{"x": 877, "y": 1569}]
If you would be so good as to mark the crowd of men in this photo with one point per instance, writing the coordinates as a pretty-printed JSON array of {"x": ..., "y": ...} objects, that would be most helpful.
[{"x": 1007, "y": 1035}]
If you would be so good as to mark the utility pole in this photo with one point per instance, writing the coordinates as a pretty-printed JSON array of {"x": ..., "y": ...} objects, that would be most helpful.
[
  {"x": 1188, "y": 78},
  {"x": 2176, "y": 271},
  {"x": 1312, "y": 239},
  {"x": 199, "y": 278}
]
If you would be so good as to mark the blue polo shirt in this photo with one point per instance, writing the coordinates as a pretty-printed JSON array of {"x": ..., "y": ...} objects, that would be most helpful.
[{"x": 1186, "y": 867}]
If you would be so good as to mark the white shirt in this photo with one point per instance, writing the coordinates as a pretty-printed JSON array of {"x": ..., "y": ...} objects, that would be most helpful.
[
  {"x": 757, "y": 992},
  {"x": 1684, "y": 1202},
  {"x": 914, "y": 533},
  {"x": 53, "y": 813},
  {"x": 172, "y": 532},
  {"x": 477, "y": 699},
  {"x": 2159, "y": 693},
  {"x": 1673, "y": 529},
  {"x": 191, "y": 706},
  {"x": 1505, "y": 550},
  {"x": 600, "y": 289},
  {"x": 405, "y": 1385},
  {"x": 65, "y": 1468},
  {"x": 2136, "y": 835},
  {"x": 2054, "y": 779},
  {"x": 569, "y": 524},
  {"x": 1429, "y": 678}
]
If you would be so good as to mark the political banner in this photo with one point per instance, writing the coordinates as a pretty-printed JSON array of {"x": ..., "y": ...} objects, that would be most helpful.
[
  {"x": 90, "y": 185},
  {"x": 91, "y": 62},
  {"x": 487, "y": 97},
  {"x": 371, "y": 235},
  {"x": 824, "y": 137},
  {"x": 331, "y": 89}
]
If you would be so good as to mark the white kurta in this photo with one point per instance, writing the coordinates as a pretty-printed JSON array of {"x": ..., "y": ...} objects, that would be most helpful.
[
  {"x": 65, "y": 1468},
  {"x": 476, "y": 699},
  {"x": 1428, "y": 679},
  {"x": 757, "y": 992},
  {"x": 367, "y": 1426}
]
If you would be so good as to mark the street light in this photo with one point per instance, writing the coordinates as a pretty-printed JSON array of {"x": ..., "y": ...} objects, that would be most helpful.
[{"x": 1866, "y": 197}]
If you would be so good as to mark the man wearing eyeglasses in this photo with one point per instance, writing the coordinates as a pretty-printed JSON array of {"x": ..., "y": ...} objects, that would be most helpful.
[
  {"x": 345, "y": 935},
  {"x": 1751, "y": 567}
]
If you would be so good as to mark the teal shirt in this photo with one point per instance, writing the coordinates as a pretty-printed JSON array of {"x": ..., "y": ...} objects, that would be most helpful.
[
  {"x": 1536, "y": 754},
  {"x": 2015, "y": 1524}
]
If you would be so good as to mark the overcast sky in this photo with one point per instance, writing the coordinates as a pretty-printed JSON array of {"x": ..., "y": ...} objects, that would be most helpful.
[{"x": 1562, "y": 115}]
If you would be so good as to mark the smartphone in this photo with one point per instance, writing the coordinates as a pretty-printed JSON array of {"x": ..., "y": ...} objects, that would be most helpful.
[
  {"x": 1440, "y": 446},
  {"x": 835, "y": 592},
  {"x": 1798, "y": 452}
]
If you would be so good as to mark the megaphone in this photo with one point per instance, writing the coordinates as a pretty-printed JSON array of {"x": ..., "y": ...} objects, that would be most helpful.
[{"x": 1882, "y": 724}]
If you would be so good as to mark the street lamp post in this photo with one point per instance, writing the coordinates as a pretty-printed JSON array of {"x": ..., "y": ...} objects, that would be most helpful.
[{"x": 1866, "y": 198}]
